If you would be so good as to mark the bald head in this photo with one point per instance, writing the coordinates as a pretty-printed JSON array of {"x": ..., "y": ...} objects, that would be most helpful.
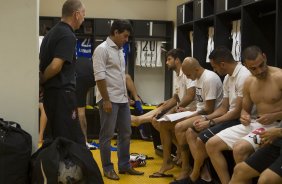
[
  {"x": 191, "y": 63},
  {"x": 71, "y": 6},
  {"x": 191, "y": 67}
]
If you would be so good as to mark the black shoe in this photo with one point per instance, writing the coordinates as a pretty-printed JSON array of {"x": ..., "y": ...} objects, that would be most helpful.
[
  {"x": 130, "y": 171},
  {"x": 112, "y": 175}
]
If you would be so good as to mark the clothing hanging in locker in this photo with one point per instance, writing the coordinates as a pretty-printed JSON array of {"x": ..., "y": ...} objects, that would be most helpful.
[
  {"x": 210, "y": 45},
  {"x": 84, "y": 48},
  {"x": 236, "y": 37},
  {"x": 191, "y": 41},
  {"x": 148, "y": 53}
]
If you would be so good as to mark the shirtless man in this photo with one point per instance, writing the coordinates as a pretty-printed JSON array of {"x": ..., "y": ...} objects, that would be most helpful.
[{"x": 264, "y": 90}]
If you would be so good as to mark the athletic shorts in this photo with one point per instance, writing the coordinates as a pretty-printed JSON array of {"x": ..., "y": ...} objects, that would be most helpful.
[
  {"x": 84, "y": 79},
  {"x": 205, "y": 135},
  {"x": 269, "y": 156},
  {"x": 83, "y": 84},
  {"x": 233, "y": 134}
]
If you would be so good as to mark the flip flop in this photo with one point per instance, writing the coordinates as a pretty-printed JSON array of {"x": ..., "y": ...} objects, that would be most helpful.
[{"x": 160, "y": 175}]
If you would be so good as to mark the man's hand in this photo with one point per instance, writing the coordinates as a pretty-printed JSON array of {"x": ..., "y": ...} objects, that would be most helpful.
[
  {"x": 201, "y": 125},
  {"x": 269, "y": 135},
  {"x": 181, "y": 109},
  {"x": 245, "y": 119},
  {"x": 107, "y": 106},
  {"x": 266, "y": 119},
  {"x": 158, "y": 114}
]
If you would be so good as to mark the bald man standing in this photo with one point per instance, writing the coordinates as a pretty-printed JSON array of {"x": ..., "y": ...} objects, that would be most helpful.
[
  {"x": 208, "y": 96},
  {"x": 57, "y": 74}
]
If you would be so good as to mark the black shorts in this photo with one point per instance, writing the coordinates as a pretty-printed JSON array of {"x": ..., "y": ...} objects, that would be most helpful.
[
  {"x": 205, "y": 135},
  {"x": 84, "y": 79},
  {"x": 269, "y": 156},
  {"x": 83, "y": 84},
  {"x": 61, "y": 110}
]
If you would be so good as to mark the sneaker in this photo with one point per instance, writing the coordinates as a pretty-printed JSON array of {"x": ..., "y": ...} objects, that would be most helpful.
[
  {"x": 90, "y": 146},
  {"x": 97, "y": 146},
  {"x": 160, "y": 147}
]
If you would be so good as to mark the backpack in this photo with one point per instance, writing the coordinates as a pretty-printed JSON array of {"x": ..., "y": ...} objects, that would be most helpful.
[{"x": 15, "y": 153}]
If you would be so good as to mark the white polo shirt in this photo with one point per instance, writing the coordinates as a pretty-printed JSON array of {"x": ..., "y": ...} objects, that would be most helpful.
[
  {"x": 233, "y": 85},
  {"x": 109, "y": 64}
]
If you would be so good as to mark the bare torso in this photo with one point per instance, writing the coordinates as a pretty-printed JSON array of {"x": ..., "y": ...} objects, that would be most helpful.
[{"x": 266, "y": 94}]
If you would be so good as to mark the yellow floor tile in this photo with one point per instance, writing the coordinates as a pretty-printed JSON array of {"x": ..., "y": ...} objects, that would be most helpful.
[{"x": 144, "y": 147}]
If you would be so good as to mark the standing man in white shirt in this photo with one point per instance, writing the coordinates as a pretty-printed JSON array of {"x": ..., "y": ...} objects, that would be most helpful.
[{"x": 112, "y": 98}]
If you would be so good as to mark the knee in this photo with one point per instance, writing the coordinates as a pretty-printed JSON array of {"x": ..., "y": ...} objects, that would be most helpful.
[
  {"x": 239, "y": 170},
  {"x": 178, "y": 128},
  {"x": 263, "y": 179},
  {"x": 210, "y": 145},
  {"x": 242, "y": 149},
  {"x": 81, "y": 112},
  {"x": 267, "y": 177},
  {"x": 125, "y": 135}
]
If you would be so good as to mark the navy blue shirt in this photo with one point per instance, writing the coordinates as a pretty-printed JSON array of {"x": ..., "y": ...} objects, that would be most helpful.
[{"x": 59, "y": 42}]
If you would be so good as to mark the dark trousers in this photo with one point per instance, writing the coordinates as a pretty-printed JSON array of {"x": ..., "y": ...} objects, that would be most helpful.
[{"x": 61, "y": 111}]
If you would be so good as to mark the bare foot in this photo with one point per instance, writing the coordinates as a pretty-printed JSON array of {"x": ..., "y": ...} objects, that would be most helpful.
[
  {"x": 194, "y": 176},
  {"x": 166, "y": 167},
  {"x": 182, "y": 175}
]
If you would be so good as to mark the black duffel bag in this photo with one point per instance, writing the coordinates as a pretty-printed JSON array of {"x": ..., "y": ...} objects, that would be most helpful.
[
  {"x": 64, "y": 161},
  {"x": 15, "y": 153}
]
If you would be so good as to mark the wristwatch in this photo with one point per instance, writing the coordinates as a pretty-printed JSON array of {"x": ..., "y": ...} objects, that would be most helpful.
[{"x": 211, "y": 123}]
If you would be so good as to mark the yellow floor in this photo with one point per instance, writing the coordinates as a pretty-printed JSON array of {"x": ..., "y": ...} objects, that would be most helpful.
[{"x": 144, "y": 147}]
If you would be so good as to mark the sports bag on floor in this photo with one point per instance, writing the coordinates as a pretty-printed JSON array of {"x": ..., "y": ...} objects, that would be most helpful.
[
  {"x": 15, "y": 153},
  {"x": 64, "y": 161}
]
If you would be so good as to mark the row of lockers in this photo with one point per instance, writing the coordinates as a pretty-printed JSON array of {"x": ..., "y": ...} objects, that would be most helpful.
[
  {"x": 101, "y": 27},
  {"x": 197, "y": 9}
]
